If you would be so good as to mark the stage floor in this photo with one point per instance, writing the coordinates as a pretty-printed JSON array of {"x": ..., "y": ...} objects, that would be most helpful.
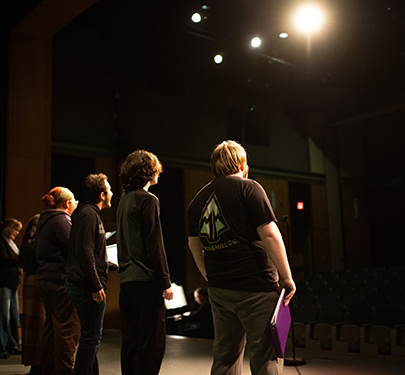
[{"x": 189, "y": 356}]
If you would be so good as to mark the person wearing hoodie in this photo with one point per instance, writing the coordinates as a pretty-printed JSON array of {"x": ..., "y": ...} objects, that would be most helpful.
[
  {"x": 88, "y": 269},
  {"x": 61, "y": 329}
]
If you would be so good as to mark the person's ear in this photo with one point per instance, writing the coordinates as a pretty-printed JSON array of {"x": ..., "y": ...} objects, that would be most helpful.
[{"x": 243, "y": 166}]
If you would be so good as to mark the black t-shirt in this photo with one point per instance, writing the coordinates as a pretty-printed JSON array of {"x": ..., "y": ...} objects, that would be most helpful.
[{"x": 225, "y": 215}]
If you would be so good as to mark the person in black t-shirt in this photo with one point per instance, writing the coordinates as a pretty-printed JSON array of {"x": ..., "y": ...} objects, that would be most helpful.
[{"x": 238, "y": 249}]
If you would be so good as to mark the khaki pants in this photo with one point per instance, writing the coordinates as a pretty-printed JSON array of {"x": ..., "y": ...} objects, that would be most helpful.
[{"x": 243, "y": 317}]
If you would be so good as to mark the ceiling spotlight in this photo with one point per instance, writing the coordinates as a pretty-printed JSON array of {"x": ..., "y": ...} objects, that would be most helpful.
[
  {"x": 256, "y": 42},
  {"x": 196, "y": 17},
  {"x": 218, "y": 58},
  {"x": 283, "y": 35},
  {"x": 309, "y": 19}
]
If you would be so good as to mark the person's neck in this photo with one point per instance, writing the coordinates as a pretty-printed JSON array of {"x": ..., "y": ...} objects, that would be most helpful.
[
  {"x": 100, "y": 205},
  {"x": 146, "y": 187},
  {"x": 239, "y": 174}
]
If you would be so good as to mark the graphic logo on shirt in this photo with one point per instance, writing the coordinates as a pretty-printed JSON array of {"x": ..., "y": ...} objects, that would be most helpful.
[{"x": 212, "y": 221}]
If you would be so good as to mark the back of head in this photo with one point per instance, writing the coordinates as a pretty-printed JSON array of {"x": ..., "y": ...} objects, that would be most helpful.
[
  {"x": 29, "y": 235},
  {"x": 138, "y": 169},
  {"x": 8, "y": 225},
  {"x": 93, "y": 186},
  {"x": 202, "y": 292},
  {"x": 227, "y": 158},
  {"x": 57, "y": 197}
]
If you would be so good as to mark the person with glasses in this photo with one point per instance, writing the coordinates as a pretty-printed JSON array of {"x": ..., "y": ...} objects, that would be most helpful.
[
  {"x": 9, "y": 280},
  {"x": 62, "y": 327}
]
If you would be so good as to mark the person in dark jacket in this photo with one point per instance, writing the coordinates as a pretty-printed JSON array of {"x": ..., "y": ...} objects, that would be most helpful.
[
  {"x": 88, "y": 270},
  {"x": 33, "y": 317},
  {"x": 9, "y": 280},
  {"x": 143, "y": 270},
  {"x": 61, "y": 329}
]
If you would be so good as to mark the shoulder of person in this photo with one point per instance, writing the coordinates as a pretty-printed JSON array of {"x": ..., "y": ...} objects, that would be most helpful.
[{"x": 151, "y": 197}]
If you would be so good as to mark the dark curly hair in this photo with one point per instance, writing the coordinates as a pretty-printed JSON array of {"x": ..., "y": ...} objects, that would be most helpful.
[{"x": 138, "y": 169}]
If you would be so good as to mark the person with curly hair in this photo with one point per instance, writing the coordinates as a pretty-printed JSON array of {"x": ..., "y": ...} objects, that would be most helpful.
[{"x": 143, "y": 269}]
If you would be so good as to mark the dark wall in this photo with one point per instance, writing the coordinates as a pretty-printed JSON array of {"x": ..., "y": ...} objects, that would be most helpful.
[
  {"x": 170, "y": 192},
  {"x": 70, "y": 172},
  {"x": 387, "y": 225}
]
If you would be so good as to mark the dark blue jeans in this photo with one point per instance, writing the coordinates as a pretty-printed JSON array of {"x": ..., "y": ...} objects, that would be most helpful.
[
  {"x": 8, "y": 320},
  {"x": 91, "y": 315}
]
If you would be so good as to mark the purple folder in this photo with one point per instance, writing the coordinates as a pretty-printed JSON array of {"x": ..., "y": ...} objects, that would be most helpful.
[{"x": 280, "y": 325}]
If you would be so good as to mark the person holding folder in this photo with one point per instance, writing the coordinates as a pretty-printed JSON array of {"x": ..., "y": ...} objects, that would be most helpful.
[{"x": 238, "y": 249}]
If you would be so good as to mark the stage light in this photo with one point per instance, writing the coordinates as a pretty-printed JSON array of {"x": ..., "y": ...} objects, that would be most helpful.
[
  {"x": 309, "y": 19},
  {"x": 218, "y": 59},
  {"x": 256, "y": 42},
  {"x": 196, "y": 17}
]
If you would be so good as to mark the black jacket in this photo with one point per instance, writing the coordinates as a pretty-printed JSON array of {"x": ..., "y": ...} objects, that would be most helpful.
[
  {"x": 87, "y": 260},
  {"x": 52, "y": 240},
  {"x": 9, "y": 273}
]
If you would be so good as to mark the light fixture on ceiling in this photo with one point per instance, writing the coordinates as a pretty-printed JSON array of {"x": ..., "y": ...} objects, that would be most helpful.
[
  {"x": 256, "y": 42},
  {"x": 196, "y": 18},
  {"x": 201, "y": 15},
  {"x": 218, "y": 58},
  {"x": 309, "y": 19}
]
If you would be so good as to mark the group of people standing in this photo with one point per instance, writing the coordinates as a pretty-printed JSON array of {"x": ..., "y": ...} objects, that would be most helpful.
[
  {"x": 233, "y": 237},
  {"x": 63, "y": 255}
]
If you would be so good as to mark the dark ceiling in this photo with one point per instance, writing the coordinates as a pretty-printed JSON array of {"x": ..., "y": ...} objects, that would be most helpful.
[
  {"x": 353, "y": 72},
  {"x": 355, "y": 66}
]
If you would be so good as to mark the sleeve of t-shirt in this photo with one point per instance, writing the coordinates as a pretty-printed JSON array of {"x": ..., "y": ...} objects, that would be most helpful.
[
  {"x": 259, "y": 210},
  {"x": 192, "y": 229},
  {"x": 154, "y": 240}
]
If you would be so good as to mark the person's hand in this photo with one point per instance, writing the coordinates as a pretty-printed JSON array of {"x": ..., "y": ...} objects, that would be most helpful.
[
  {"x": 99, "y": 296},
  {"x": 168, "y": 294},
  {"x": 290, "y": 289}
]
